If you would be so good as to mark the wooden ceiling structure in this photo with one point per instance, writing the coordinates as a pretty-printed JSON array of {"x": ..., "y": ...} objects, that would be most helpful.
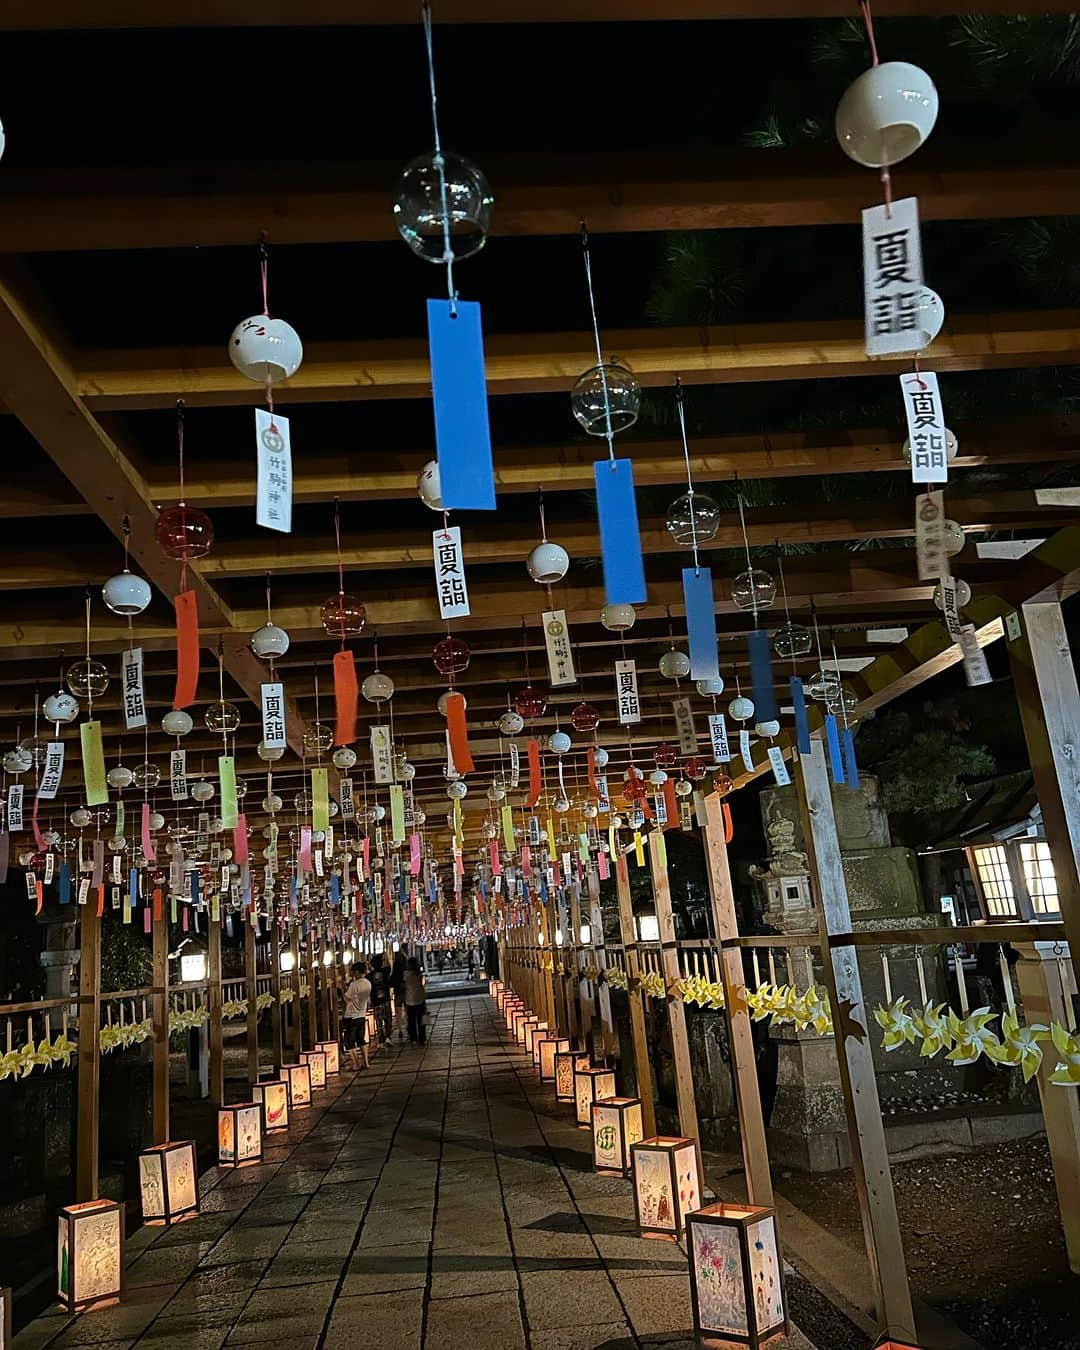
[{"x": 92, "y": 366}]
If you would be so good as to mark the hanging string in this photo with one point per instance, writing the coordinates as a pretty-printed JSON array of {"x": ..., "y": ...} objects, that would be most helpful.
[
  {"x": 868, "y": 21},
  {"x": 746, "y": 546},
  {"x": 221, "y": 692},
  {"x": 840, "y": 682},
  {"x": 609, "y": 432},
  {"x": 680, "y": 408},
  {"x": 439, "y": 160},
  {"x": 89, "y": 683},
  {"x": 783, "y": 591}
]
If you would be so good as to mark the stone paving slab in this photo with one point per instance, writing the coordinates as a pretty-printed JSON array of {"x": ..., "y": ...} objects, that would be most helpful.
[{"x": 440, "y": 1200}]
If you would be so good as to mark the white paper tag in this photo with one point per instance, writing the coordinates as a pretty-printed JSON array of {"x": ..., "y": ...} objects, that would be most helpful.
[
  {"x": 381, "y": 758},
  {"x": 178, "y": 775},
  {"x": 317, "y": 856},
  {"x": 31, "y": 885},
  {"x": 779, "y": 768},
  {"x": 345, "y": 799},
  {"x": 660, "y": 807},
  {"x": 684, "y": 725},
  {"x": 560, "y": 658},
  {"x": 15, "y": 807},
  {"x": 117, "y": 869},
  {"x": 1013, "y": 628},
  {"x": 721, "y": 751},
  {"x": 976, "y": 671},
  {"x": 603, "y": 799},
  {"x": 84, "y": 890},
  {"x": 53, "y": 771},
  {"x": 949, "y": 607},
  {"x": 50, "y": 867},
  {"x": 450, "y": 585},
  {"x": 131, "y": 688},
  {"x": 744, "y": 750},
  {"x": 515, "y": 764},
  {"x": 892, "y": 278},
  {"x": 626, "y": 692},
  {"x": 273, "y": 714},
  {"x": 926, "y": 426},
  {"x": 273, "y": 502},
  {"x": 930, "y": 536}
]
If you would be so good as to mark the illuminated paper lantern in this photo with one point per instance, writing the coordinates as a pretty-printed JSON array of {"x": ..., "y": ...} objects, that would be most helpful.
[
  {"x": 168, "y": 1182},
  {"x": 90, "y": 1254},
  {"x": 273, "y": 1095},
  {"x": 666, "y": 1173},
  {"x": 316, "y": 1062},
  {"x": 332, "y": 1051},
  {"x": 540, "y": 1039},
  {"x": 513, "y": 1005},
  {"x": 372, "y": 1028},
  {"x": 590, "y": 1084},
  {"x": 736, "y": 1276},
  {"x": 521, "y": 1018},
  {"x": 550, "y": 1046},
  {"x": 533, "y": 1030},
  {"x": 298, "y": 1077},
  {"x": 240, "y": 1135},
  {"x": 567, "y": 1063},
  {"x": 617, "y": 1125}
]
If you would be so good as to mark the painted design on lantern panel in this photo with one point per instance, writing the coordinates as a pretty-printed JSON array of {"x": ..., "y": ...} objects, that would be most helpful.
[
  {"x": 274, "y": 1101},
  {"x": 635, "y": 1131},
  {"x": 654, "y": 1190},
  {"x": 181, "y": 1179},
  {"x": 718, "y": 1276},
  {"x": 250, "y": 1140},
  {"x": 606, "y": 1139},
  {"x": 226, "y": 1144},
  {"x": 564, "y": 1078},
  {"x": 584, "y": 1085},
  {"x": 98, "y": 1247},
  {"x": 316, "y": 1063},
  {"x": 764, "y": 1269},
  {"x": 686, "y": 1170},
  {"x": 153, "y": 1202}
]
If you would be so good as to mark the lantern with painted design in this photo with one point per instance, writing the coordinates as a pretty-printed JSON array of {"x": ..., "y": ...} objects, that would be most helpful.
[
  {"x": 666, "y": 1172},
  {"x": 567, "y": 1063},
  {"x": 539, "y": 1040},
  {"x": 168, "y": 1182},
  {"x": 523, "y": 1025},
  {"x": 531, "y": 1033},
  {"x": 316, "y": 1062},
  {"x": 616, "y": 1126},
  {"x": 332, "y": 1051},
  {"x": 590, "y": 1084},
  {"x": 298, "y": 1078},
  {"x": 273, "y": 1096},
  {"x": 736, "y": 1276},
  {"x": 549, "y": 1048},
  {"x": 90, "y": 1254},
  {"x": 240, "y": 1135}
]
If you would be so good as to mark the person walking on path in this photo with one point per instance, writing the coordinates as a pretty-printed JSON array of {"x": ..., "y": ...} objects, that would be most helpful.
[
  {"x": 380, "y": 996},
  {"x": 415, "y": 1001},
  {"x": 357, "y": 998},
  {"x": 397, "y": 988}
]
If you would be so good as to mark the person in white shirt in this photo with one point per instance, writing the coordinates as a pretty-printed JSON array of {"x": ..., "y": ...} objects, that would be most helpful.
[{"x": 357, "y": 998}]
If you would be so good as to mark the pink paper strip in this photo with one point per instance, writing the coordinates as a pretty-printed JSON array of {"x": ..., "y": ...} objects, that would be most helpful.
[
  {"x": 526, "y": 861},
  {"x": 414, "y": 854},
  {"x": 305, "y": 847},
  {"x": 147, "y": 838},
  {"x": 496, "y": 865},
  {"x": 605, "y": 871},
  {"x": 240, "y": 840}
]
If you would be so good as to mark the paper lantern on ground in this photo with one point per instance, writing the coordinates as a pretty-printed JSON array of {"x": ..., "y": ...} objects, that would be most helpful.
[
  {"x": 551, "y": 1046},
  {"x": 513, "y": 1006},
  {"x": 531, "y": 1032},
  {"x": 90, "y": 1254},
  {"x": 298, "y": 1078},
  {"x": 590, "y": 1084},
  {"x": 517, "y": 1016},
  {"x": 666, "y": 1173},
  {"x": 567, "y": 1063},
  {"x": 332, "y": 1051},
  {"x": 736, "y": 1276},
  {"x": 273, "y": 1096},
  {"x": 240, "y": 1135},
  {"x": 316, "y": 1062},
  {"x": 616, "y": 1126},
  {"x": 372, "y": 1028},
  {"x": 523, "y": 1025},
  {"x": 168, "y": 1181},
  {"x": 539, "y": 1040}
]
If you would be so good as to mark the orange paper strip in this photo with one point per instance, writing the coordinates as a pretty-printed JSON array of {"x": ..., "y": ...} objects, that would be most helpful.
[
  {"x": 345, "y": 696},
  {"x": 459, "y": 735},
  {"x": 534, "y": 773},
  {"x": 40, "y": 887},
  {"x": 187, "y": 648},
  {"x": 729, "y": 828},
  {"x": 100, "y": 901},
  {"x": 592, "y": 772},
  {"x": 672, "y": 803}
]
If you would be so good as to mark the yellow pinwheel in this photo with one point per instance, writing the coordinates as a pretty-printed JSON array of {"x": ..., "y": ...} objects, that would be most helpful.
[
  {"x": 1019, "y": 1045},
  {"x": 972, "y": 1037},
  {"x": 762, "y": 1002},
  {"x": 1067, "y": 1071},
  {"x": 897, "y": 1023},
  {"x": 820, "y": 1012},
  {"x": 933, "y": 1027},
  {"x": 27, "y": 1059},
  {"x": 62, "y": 1050},
  {"x": 9, "y": 1065}
]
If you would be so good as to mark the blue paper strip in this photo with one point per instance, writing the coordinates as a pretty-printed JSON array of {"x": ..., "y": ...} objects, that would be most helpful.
[
  {"x": 335, "y": 889},
  {"x": 196, "y": 889},
  {"x": 701, "y": 623},
  {"x": 459, "y": 391},
  {"x": 851, "y": 766},
  {"x": 620, "y": 538},
  {"x": 133, "y": 887},
  {"x": 64, "y": 884},
  {"x": 761, "y": 676},
  {"x": 832, "y": 739},
  {"x": 802, "y": 717}
]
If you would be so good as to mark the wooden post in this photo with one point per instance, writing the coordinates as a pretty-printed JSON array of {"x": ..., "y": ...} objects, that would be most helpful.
[
  {"x": 866, "y": 1131},
  {"x": 755, "y": 1150},
  {"x": 160, "y": 1011},
  {"x": 596, "y": 932},
  {"x": 252, "y": 1005},
  {"x": 87, "y": 1129},
  {"x": 638, "y": 1034},
  {"x": 676, "y": 1008},
  {"x": 213, "y": 976},
  {"x": 277, "y": 1013},
  {"x": 324, "y": 981},
  {"x": 296, "y": 1007},
  {"x": 312, "y": 1008}
]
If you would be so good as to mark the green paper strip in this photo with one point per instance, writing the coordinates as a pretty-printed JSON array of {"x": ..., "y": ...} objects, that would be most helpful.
[
  {"x": 583, "y": 847},
  {"x": 93, "y": 760},
  {"x": 320, "y": 800},
  {"x": 397, "y": 813},
  {"x": 659, "y": 847},
  {"x": 508, "y": 828},
  {"x": 227, "y": 778},
  {"x": 120, "y": 819}
]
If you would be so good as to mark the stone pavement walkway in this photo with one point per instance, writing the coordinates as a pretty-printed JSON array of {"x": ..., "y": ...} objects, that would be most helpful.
[{"x": 440, "y": 1200}]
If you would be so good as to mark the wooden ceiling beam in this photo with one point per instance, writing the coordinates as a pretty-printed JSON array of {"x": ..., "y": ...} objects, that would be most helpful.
[{"x": 524, "y": 363}]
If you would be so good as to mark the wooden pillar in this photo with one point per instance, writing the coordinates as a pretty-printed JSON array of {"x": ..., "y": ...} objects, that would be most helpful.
[
  {"x": 544, "y": 1007},
  {"x": 312, "y": 977},
  {"x": 213, "y": 976},
  {"x": 603, "y": 993},
  {"x": 277, "y": 1012},
  {"x": 866, "y": 1131},
  {"x": 296, "y": 1007},
  {"x": 252, "y": 997},
  {"x": 638, "y": 1035},
  {"x": 325, "y": 976},
  {"x": 755, "y": 1150},
  {"x": 160, "y": 1012},
  {"x": 676, "y": 1008},
  {"x": 88, "y": 1118}
]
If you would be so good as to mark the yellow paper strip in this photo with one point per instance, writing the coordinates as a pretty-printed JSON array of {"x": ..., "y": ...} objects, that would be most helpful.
[
  {"x": 320, "y": 800},
  {"x": 508, "y": 828},
  {"x": 93, "y": 759},
  {"x": 611, "y": 843},
  {"x": 583, "y": 847},
  {"x": 659, "y": 847},
  {"x": 551, "y": 837},
  {"x": 227, "y": 778},
  {"x": 457, "y": 823},
  {"x": 639, "y": 848},
  {"x": 397, "y": 813}
]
